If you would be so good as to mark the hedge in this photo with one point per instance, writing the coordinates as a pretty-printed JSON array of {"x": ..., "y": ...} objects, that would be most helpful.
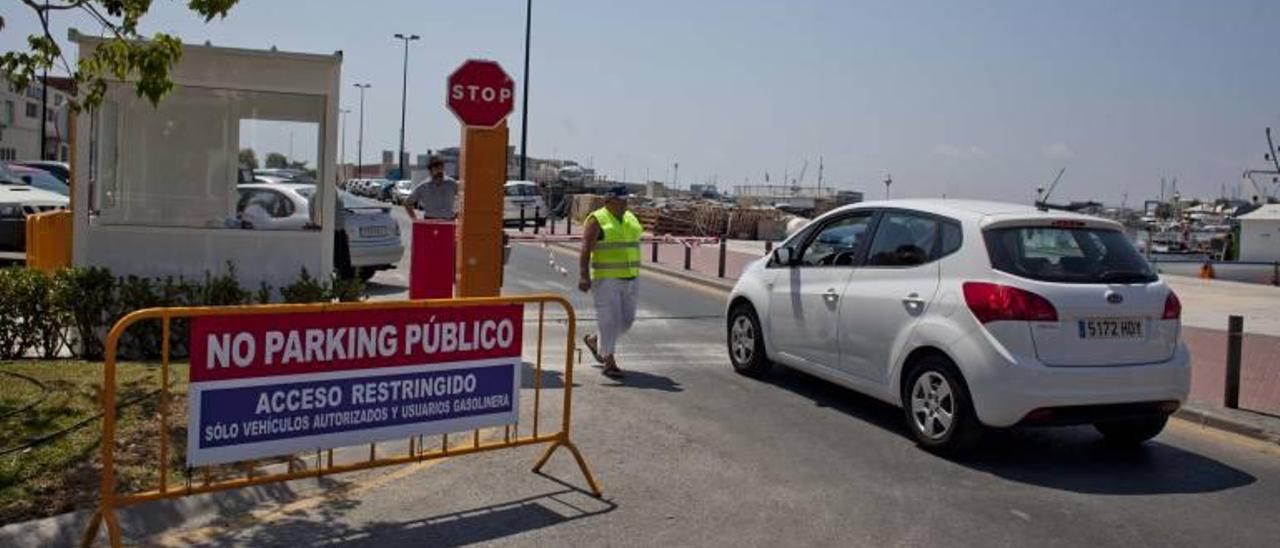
[{"x": 42, "y": 314}]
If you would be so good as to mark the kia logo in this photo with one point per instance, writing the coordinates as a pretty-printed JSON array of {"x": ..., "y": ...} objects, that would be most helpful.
[{"x": 1115, "y": 298}]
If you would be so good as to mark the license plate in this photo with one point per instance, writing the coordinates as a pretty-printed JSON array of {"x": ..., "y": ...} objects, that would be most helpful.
[
  {"x": 1111, "y": 328},
  {"x": 373, "y": 231}
]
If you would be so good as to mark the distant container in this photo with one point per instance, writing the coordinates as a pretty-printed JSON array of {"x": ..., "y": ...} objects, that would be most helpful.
[{"x": 1260, "y": 234}]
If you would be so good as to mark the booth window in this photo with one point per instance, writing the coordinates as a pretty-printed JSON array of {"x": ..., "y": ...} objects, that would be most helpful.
[{"x": 177, "y": 164}]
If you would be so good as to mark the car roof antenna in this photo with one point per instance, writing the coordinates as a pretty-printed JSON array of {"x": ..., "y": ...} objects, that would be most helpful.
[{"x": 1042, "y": 203}]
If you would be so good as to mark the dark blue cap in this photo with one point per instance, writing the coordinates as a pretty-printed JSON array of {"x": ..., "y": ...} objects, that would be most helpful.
[{"x": 616, "y": 192}]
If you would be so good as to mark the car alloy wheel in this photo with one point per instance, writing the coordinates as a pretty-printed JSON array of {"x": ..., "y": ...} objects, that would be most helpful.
[
  {"x": 742, "y": 340},
  {"x": 933, "y": 405}
]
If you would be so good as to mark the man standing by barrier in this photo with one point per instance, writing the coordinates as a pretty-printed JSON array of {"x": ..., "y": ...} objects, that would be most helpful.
[
  {"x": 611, "y": 256},
  {"x": 437, "y": 197}
]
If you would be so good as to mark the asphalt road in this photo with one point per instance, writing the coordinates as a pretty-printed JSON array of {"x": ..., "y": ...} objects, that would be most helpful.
[{"x": 689, "y": 453}]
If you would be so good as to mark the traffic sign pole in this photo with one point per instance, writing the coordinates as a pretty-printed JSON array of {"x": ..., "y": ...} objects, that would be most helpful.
[
  {"x": 481, "y": 95},
  {"x": 484, "y": 172}
]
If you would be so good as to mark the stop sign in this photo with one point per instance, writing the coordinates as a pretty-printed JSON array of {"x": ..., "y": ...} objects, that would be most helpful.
[{"x": 480, "y": 94}]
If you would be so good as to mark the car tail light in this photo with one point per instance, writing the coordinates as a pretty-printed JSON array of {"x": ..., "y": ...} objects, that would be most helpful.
[
  {"x": 994, "y": 302},
  {"x": 1172, "y": 307}
]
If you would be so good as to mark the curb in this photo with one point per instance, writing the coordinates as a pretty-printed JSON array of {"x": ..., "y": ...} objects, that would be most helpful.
[
  {"x": 1243, "y": 423},
  {"x": 1224, "y": 421},
  {"x": 725, "y": 284}
]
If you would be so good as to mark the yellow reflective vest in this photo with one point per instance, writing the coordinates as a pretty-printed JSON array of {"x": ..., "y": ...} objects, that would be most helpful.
[{"x": 618, "y": 254}]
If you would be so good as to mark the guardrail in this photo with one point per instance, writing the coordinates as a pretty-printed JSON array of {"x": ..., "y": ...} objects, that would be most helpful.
[{"x": 417, "y": 451}]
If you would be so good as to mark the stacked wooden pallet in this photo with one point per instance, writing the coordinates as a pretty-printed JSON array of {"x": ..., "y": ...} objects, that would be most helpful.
[
  {"x": 710, "y": 219},
  {"x": 744, "y": 223},
  {"x": 675, "y": 222},
  {"x": 583, "y": 204}
]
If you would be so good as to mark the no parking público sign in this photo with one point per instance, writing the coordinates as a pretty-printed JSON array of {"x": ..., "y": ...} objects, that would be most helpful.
[{"x": 279, "y": 383}]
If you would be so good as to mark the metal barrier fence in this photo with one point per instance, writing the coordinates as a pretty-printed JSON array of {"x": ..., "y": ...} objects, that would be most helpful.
[{"x": 417, "y": 452}]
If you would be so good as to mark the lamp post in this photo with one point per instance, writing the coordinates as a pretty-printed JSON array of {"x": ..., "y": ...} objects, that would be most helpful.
[
  {"x": 343, "y": 147},
  {"x": 404, "y": 92},
  {"x": 888, "y": 180},
  {"x": 360, "y": 138},
  {"x": 524, "y": 108}
]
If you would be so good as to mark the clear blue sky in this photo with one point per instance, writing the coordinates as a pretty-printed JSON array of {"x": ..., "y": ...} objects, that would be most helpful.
[{"x": 972, "y": 99}]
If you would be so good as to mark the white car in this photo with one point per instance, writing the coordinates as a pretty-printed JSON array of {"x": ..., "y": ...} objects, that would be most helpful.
[
  {"x": 18, "y": 200},
  {"x": 401, "y": 190},
  {"x": 523, "y": 195},
  {"x": 970, "y": 315},
  {"x": 373, "y": 236}
]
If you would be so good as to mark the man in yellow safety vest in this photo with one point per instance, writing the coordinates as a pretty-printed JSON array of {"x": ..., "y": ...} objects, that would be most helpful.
[{"x": 611, "y": 254}]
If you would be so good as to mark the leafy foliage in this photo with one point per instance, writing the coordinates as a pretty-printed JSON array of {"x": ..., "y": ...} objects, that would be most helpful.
[
  {"x": 125, "y": 55},
  {"x": 248, "y": 158},
  {"x": 74, "y": 308}
]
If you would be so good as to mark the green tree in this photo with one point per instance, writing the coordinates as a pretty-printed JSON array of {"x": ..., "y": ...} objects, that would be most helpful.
[
  {"x": 275, "y": 160},
  {"x": 123, "y": 55},
  {"x": 248, "y": 158}
]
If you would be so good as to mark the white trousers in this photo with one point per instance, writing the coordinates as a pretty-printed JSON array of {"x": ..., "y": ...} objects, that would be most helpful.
[{"x": 615, "y": 302}]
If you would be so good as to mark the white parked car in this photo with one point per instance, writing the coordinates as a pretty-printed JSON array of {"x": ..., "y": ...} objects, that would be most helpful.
[
  {"x": 970, "y": 315},
  {"x": 16, "y": 202},
  {"x": 373, "y": 236},
  {"x": 523, "y": 195},
  {"x": 401, "y": 190}
]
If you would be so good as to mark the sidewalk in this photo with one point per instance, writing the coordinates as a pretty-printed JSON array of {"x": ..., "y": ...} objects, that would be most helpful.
[{"x": 1205, "y": 304}]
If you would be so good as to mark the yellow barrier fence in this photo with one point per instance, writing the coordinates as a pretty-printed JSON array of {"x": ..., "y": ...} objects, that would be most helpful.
[{"x": 252, "y": 476}]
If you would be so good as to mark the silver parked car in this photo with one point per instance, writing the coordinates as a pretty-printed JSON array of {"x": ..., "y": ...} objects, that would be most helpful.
[{"x": 373, "y": 236}]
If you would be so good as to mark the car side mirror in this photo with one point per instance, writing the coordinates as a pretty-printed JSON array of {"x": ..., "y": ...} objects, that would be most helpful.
[{"x": 782, "y": 256}]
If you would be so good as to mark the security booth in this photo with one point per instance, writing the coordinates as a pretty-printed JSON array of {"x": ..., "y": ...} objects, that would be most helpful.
[{"x": 159, "y": 188}]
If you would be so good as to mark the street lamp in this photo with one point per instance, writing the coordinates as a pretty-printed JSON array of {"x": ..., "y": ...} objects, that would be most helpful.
[
  {"x": 345, "y": 165},
  {"x": 888, "y": 180},
  {"x": 360, "y": 138},
  {"x": 524, "y": 109},
  {"x": 404, "y": 92}
]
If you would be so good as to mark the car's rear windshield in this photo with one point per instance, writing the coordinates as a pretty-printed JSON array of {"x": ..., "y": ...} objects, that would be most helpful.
[
  {"x": 1067, "y": 255},
  {"x": 522, "y": 190}
]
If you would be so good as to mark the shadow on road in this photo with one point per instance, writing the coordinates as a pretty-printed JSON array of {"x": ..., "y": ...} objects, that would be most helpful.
[
  {"x": 639, "y": 379},
  {"x": 463, "y": 527},
  {"x": 1069, "y": 459},
  {"x": 379, "y": 289},
  {"x": 1075, "y": 459},
  {"x": 551, "y": 379}
]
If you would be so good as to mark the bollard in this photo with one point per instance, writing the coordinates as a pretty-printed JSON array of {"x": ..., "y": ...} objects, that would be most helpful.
[
  {"x": 521, "y": 218},
  {"x": 653, "y": 254},
  {"x": 568, "y": 226},
  {"x": 768, "y": 247},
  {"x": 1235, "y": 336},
  {"x": 537, "y": 219},
  {"x": 720, "y": 266},
  {"x": 688, "y": 256},
  {"x": 553, "y": 225}
]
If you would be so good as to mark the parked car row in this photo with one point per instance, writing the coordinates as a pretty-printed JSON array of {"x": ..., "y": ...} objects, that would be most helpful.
[
  {"x": 377, "y": 189},
  {"x": 522, "y": 200}
]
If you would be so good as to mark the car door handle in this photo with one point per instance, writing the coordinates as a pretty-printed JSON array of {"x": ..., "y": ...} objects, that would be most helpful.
[
  {"x": 913, "y": 301},
  {"x": 831, "y": 296}
]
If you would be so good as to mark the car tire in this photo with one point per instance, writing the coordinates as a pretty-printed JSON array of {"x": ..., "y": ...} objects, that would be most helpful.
[
  {"x": 1132, "y": 431},
  {"x": 938, "y": 409},
  {"x": 745, "y": 341}
]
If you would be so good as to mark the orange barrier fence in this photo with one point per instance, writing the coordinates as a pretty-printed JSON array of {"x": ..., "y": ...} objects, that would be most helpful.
[{"x": 201, "y": 479}]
